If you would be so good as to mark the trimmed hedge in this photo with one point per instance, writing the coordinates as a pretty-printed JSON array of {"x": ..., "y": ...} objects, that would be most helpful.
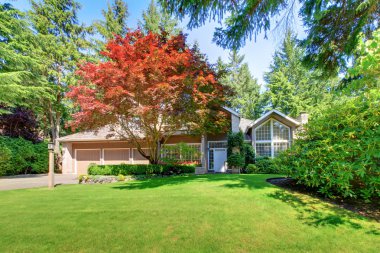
[
  {"x": 20, "y": 156},
  {"x": 140, "y": 169}
]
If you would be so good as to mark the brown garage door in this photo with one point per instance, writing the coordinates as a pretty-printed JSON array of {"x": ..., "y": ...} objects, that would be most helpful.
[
  {"x": 116, "y": 156},
  {"x": 85, "y": 158}
]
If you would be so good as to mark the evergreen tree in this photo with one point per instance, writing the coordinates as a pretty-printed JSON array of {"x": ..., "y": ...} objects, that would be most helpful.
[
  {"x": 333, "y": 25},
  {"x": 115, "y": 20},
  {"x": 245, "y": 97},
  {"x": 291, "y": 87},
  {"x": 156, "y": 20},
  {"x": 20, "y": 65},
  {"x": 62, "y": 39}
]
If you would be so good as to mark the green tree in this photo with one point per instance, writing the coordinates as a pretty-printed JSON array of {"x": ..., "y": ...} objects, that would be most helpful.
[
  {"x": 62, "y": 40},
  {"x": 156, "y": 20},
  {"x": 333, "y": 25},
  {"x": 20, "y": 65},
  {"x": 115, "y": 20},
  {"x": 245, "y": 97},
  {"x": 291, "y": 87}
]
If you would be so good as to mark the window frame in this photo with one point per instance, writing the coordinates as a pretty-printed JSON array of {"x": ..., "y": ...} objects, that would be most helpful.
[{"x": 272, "y": 141}]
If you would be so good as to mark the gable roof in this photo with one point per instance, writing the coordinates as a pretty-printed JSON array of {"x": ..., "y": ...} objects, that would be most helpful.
[
  {"x": 288, "y": 120},
  {"x": 231, "y": 111}
]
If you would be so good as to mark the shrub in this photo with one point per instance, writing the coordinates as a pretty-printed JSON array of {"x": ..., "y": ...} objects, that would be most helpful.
[
  {"x": 235, "y": 150},
  {"x": 339, "y": 152},
  {"x": 120, "y": 177},
  {"x": 249, "y": 153},
  {"x": 140, "y": 169},
  {"x": 266, "y": 165},
  {"x": 236, "y": 160},
  {"x": 20, "y": 156},
  {"x": 251, "y": 169}
]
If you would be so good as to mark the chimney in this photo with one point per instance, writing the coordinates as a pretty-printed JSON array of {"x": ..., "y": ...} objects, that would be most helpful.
[{"x": 303, "y": 118}]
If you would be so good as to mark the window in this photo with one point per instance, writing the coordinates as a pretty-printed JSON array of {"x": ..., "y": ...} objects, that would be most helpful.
[
  {"x": 272, "y": 137},
  {"x": 182, "y": 152}
]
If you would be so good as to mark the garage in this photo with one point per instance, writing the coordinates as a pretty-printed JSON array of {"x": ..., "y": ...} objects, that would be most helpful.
[
  {"x": 116, "y": 155},
  {"x": 84, "y": 157}
]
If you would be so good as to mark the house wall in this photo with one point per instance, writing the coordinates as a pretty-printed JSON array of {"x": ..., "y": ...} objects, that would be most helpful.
[
  {"x": 235, "y": 122},
  {"x": 69, "y": 150}
]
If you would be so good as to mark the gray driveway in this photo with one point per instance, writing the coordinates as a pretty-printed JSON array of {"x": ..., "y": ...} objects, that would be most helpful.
[{"x": 31, "y": 181}]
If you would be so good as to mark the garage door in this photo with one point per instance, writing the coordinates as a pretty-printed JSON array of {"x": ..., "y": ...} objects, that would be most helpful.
[
  {"x": 116, "y": 156},
  {"x": 84, "y": 158}
]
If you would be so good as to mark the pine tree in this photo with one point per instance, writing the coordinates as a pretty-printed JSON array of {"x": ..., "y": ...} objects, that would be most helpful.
[
  {"x": 245, "y": 97},
  {"x": 62, "y": 39},
  {"x": 20, "y": 65},
  {"x": 156, "y": 20},
  {"x": 115, "y": 20},
  {"x": 291, "y": 87}
]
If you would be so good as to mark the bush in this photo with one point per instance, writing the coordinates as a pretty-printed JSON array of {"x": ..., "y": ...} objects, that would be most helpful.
[
  {"x": 19, "y": 156},
  {"x": 266, "y": 165},
  {"x": 140, "y": 169},
  {"x": 251, "y": 169},
  {"x": 339, "y": 152},
  {"x": 236, "y": 160},
  {"x": 249, "y": 153}
]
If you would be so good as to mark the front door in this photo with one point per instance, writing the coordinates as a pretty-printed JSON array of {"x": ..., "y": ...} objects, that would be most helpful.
[{"x": 220, "y": 157}]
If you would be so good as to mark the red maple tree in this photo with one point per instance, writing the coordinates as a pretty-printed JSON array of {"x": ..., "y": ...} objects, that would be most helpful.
[{"x": 148, "y": 88}]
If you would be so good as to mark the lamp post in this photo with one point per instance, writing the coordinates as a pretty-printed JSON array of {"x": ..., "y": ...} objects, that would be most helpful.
[{"x": 51, "y": 165}]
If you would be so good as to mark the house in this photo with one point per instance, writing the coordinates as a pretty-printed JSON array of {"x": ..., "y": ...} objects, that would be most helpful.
[{"x": 270, "y": 134}]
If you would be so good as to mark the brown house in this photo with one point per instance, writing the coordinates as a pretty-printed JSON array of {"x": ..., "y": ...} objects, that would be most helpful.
[{"x": 270, "y": 134}]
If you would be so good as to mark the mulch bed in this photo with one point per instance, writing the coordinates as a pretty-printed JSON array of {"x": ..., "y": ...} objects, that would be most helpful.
[{"x": 371, "y": 210}]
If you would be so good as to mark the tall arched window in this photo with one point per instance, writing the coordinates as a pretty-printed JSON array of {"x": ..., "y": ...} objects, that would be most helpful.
[{"x": 271, "y": 138}]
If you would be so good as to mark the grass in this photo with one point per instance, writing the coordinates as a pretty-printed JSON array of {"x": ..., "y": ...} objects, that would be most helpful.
[{"x": 208, "y": 213}]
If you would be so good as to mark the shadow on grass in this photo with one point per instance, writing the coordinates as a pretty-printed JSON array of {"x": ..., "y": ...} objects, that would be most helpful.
[
  {"x": 314, "y": 212},
  {"x": 236, "y": 181}
]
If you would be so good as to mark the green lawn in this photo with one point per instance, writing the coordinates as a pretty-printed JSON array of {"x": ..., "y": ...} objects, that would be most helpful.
[{"x": 210, "y": 213}]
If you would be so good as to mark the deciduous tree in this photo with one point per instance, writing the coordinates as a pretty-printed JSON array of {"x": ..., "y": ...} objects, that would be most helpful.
[{"x": 149, "y": 88}]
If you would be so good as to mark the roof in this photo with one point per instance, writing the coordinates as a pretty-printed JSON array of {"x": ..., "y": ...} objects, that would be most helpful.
[
  {"x": 231, "y": 111},
  {"x": 287, "y": 119},
  {"x": 245, "y": 124},
  {"x": 104, "y": 133}
]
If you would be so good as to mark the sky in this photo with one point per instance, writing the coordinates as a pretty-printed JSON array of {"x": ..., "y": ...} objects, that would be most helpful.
[{"x": 258, "y": 53}]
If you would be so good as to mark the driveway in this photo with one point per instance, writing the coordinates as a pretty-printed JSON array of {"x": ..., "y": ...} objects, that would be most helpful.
[{"x": 31, "y": 181}]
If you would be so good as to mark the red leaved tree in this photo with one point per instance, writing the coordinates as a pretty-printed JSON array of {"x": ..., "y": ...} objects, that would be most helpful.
[{"x": 148, "y": 88}]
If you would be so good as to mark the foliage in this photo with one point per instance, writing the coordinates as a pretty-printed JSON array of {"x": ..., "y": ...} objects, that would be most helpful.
[
  {"x": 158, "y": 21},
  {"x": 63, "y": 45},
  {"x": 140, "y": 169},
  {"x": 115, "y": 22},
  {"x": 339, "y": 152},
  {"x": 21, "y": 122},
  {"x": 148, "y": 88},
  {"x": 19, "y": 156},
  {"x": 249, "y": 153},
  {"x": 251, "y": 169},
  {"x": 235, "y": 150},
  {"x": 179, "y": 154},
  {"x": 328, "y": 41},
  {"x": 22, "y": 83},
  {"x": 291, "y": 87},
  {"x": 236, "y": 160},
  {"x": 120, "y": 177},
  {"x": 266, "y": 165},
  {"x": 245, "y": 96},
  {"x": 365, "y": 73}
]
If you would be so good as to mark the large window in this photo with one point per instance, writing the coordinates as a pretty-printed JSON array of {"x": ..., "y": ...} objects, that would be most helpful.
[
  {"x": 272, "y": 137},
  {"x": 182, "y": 153}
]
